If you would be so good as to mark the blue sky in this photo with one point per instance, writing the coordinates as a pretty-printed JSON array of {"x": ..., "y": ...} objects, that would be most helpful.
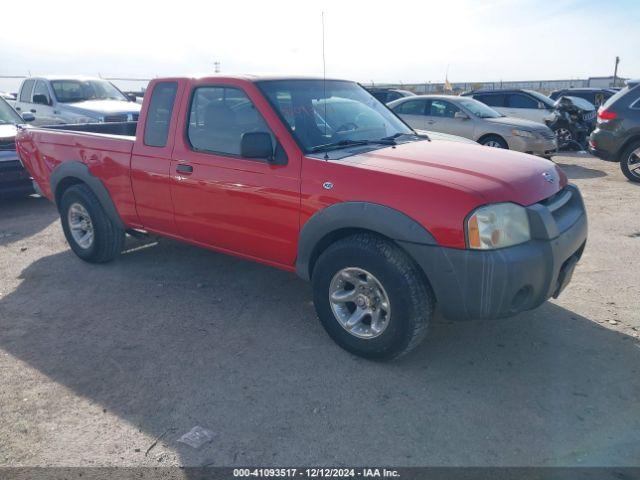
[{"x": 409, "y": 41}]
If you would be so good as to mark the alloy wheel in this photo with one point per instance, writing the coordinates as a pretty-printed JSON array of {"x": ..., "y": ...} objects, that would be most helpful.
[
  {"x": 359, "y": 302},
  {"x": 80, "y": 225}
]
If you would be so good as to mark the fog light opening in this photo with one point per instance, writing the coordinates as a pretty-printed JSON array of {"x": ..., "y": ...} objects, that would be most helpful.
[{"x": 520, "y": 298}]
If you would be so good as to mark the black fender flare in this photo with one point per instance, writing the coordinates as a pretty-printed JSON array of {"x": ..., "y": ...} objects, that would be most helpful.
[
  {"x": 80, "y": 171},
  {"x": 356, "y": 215}
]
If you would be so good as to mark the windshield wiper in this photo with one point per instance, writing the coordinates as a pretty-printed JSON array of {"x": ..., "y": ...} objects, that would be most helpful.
[{"x": 351, "y": 143}]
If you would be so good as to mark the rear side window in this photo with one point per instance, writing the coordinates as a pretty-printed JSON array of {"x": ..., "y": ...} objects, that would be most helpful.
[
  {"x": 218, "y": 118},
  {"x": 491, "y": 99},
  {"x": 518, "y": 100},
  {"x": 156, "y": 129},
  {"x": 615, "y": 98},
  {"x": 411, "y": 107},
  {"x": 25, "y": 92}
]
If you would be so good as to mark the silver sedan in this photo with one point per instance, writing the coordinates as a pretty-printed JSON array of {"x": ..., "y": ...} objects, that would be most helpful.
[{"x": 469, "y": 118}]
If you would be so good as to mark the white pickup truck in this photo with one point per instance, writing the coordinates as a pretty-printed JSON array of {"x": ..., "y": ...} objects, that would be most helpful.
[{"x": 63, "y": 100}]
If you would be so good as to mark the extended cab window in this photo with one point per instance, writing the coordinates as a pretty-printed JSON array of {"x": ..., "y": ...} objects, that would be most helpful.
[
  {"x": 25, "y": 93},
  {"x": 156, "y": 129},
  {"x": 218, "y": 118}
]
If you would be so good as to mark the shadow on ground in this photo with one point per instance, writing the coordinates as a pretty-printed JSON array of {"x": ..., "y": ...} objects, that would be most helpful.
[
  {"x": 171, "y": 336},
  {"x": 576, "y": 172},
  {"x": 38, "y": 212}
]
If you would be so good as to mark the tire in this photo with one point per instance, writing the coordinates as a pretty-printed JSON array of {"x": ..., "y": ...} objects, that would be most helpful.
[
  {"x": 630, "y": 162},
  {"x": 409, "y": 305},
  {"x": 494, "y": 141},
  {"x": 107, "y": 238}
]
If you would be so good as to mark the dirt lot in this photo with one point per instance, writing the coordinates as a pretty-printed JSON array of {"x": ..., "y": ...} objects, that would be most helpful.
[{"x": 97, "y": 362}]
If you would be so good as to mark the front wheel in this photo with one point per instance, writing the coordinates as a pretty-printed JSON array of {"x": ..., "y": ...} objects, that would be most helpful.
[
  {"x": 565, "y": 137},
  {"x": 494, "y": 141},
  {"x": 371, "y": 298},
  {"x": 91, "y": 234},
  {"x": 630, "y": 162}
]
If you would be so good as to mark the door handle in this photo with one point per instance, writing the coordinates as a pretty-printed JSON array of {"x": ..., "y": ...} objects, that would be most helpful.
[
  {"x": 184, "y": 168},
  {"x": 33, "y": 110}
]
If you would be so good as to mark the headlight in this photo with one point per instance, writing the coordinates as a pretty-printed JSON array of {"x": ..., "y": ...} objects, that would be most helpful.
[
  {"x": 516, "y": 132},
  {"x": 497, "y": 226}
]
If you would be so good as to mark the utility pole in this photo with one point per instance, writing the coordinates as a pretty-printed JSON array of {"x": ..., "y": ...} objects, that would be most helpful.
[
  {"x": 216, "y": 66},
  {"x": 615, "y": 72}
]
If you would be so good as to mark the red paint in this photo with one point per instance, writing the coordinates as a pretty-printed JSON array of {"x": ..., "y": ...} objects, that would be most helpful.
[{"x": 256, "y": 210}]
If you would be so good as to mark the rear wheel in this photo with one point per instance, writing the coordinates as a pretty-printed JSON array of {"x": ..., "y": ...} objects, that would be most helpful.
[
  {"x": 630, "y": 162},
  {"x": 91, "y": 234},
  {"x": 494, "y": 141},
  {"x": 371, "y": 298}
]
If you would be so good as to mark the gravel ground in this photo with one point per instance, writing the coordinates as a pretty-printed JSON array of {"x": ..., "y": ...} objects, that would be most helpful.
[{"x": 99, "y": 362}]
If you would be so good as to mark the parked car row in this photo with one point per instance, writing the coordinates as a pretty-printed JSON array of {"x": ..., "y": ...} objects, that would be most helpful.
[{"x": 474, "y": 120}]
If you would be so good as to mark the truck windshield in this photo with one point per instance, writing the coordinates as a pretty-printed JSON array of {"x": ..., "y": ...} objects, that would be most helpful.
[
  {"x": 72, "y": 91},
  {"x": 332, "y": 113},
  {"x": 7, "y": 114}
]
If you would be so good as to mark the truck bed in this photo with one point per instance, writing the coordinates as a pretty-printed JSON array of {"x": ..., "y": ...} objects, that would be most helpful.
[
  {"x": 104, "y": 148},
  {"x": 126, "y": 129}
]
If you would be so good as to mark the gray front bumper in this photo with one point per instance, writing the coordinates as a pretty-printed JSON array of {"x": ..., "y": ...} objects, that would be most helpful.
[{"x": 471, "y": 284}]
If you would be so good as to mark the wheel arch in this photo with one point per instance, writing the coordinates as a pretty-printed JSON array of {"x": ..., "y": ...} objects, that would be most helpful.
[
  {"x": 635, "y": 137},
  {"x": 72, "y": 173},
  {"x": 347, "y": 218}
]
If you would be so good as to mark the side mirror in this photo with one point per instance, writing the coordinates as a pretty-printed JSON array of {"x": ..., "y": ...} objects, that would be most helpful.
[
  {"x": 256, "y": 145},
  {"x": 460, "y": 116},
  {"x": 40, "y": 99},
  {"x": 28, "y": 117},
  {"x": 132, "y": 97}
]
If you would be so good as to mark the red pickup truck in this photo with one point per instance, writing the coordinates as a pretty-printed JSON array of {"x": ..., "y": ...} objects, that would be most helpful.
[{"x": 318, "y": 177}]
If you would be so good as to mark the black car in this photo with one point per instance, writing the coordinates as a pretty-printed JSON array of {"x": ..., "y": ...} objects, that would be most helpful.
[
  {"x": 617, "y": 134},
  {"x": 386, "y": 95},
  {"x": 596, "y": 96},
  {"x": 14, "y": 179}
]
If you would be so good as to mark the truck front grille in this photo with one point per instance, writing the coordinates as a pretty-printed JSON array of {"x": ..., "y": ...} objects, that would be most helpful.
[
  {"x": 116, "y": 118},
  {"x": 565, "y": 207},
  {"x": 7, "y": 144}
]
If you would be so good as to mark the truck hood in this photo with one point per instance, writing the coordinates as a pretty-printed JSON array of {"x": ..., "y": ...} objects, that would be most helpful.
[
  {"x": 495, "y": 174},
  {"x": 518, "y": 123},
  {"x": 92, "y": 107},
  {"x": 7, "y": 132}
]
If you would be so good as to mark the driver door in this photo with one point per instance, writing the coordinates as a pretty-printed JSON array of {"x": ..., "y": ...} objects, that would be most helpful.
[{"x": 222, "y": 200}]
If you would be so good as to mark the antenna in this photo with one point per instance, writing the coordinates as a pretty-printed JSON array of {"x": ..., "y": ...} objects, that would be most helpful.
[{"x": 324, "y": 86}]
